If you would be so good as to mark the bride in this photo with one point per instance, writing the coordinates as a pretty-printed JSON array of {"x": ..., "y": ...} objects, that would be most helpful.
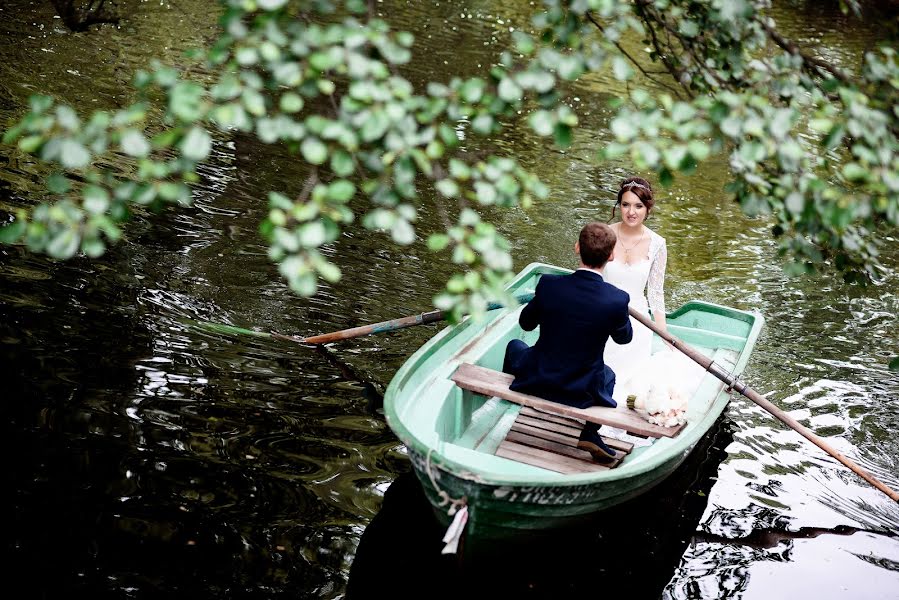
[{"x": 661, "y": 381}]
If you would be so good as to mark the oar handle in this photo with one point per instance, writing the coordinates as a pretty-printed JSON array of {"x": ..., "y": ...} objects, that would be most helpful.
[
  {"x": 384, "y": 326},
  {"x": 392, "y": 325},
  {"x": 742, "y": 388}
]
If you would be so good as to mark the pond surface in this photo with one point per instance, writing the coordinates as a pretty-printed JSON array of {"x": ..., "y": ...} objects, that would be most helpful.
[{"x": 151, "y": 457}]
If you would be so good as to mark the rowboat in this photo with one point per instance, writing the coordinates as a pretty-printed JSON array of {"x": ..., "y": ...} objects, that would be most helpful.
[{"x": 455, "y": 438}]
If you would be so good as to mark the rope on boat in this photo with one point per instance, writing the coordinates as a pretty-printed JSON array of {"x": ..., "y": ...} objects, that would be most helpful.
[
  {"x": 444, "y": 497},
  {"x": 458, "y": 509}
]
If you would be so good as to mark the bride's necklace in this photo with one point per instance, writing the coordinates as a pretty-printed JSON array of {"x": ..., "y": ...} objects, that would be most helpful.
[{"x": 627, "y": 251}]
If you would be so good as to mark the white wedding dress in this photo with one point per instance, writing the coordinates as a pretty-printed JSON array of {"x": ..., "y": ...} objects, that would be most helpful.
[{"x": 664, "y": 380}]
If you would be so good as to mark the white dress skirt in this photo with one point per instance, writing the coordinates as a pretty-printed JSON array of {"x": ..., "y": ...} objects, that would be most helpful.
[{"x": 662, "y": 381}]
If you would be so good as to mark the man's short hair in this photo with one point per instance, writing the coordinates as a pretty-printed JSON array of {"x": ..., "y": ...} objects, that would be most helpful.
[{"x": 596, "y": 242}]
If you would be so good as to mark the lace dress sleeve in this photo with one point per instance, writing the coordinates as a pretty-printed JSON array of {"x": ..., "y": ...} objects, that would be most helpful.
[{"x": 655, "y": 286}]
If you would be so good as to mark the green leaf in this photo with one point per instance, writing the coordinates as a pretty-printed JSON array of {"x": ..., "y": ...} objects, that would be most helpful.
[
  {"x": 472, "y": 90},
  {"x": 699, "y": 149},
  {"x": 524, "y": 43},
  {"x": 562, "y": 135},
  {"x": 11, "y": 233},
  {"x": 448, "y": 188},
  {"x": 185, "y": 101},
  {"x": 173, "y": 192},
  {"x": 622, "y": 69},
  {"x": 271, "y": 4},
  {"x": 312, "y": 234},
  {"x": 306, "y": 211},
  {"x": 688, "y": 28},
  {"x": 469, "y": 217},
  {"x": 342, "y": 163},
  {"x": 305, "y": 285},
  {"x": 485, "y": 192},
  {"x": 276, "y": 200},
  {"x": 571, "y": 67},
  {"x": 31, "y": 143},
  {"x": 67, "y": 118},
  {"x": 58, "y": 183},
  {"x": 894, "y": 364},
  {"x": 329, "y": 271},
  {"x": 341, "y": 191},
  {"x": 456, "y": 285},
  {"x": 375, "y": 126},
  {"x": 253, "y": 102},
  {"x": 834, "y": 137},
  {"x": 536, "y": 79},
  {"x": 795, "y": 203},
  {"x": 402, "y": 232},
  {"x": 142, "y": 79},
  {"x": 855, "y": 172},
  {"x": 73, "y": 155},
  {"x": 196, "y": 144},
  {"x": 624, "y": 128},
  {"x": 93, "y": 247},
  {"x": 459, "y": 170},
  {"x": 64, "y": 245},
  {"x": 666, "y": 178},
  {"x": 509, "y": 91},
  {"x": 314, "y": 151},
  {"x": 269, "y": 130},
  {"x": 482, "y": 124},
  {"x": 820, "y": 125},
  {"x": 13, "y": 133},
  {"x": 542, "y": 122},
  {"x": 134, "y": 143},
  {"x": 438, "y": 241},
  {"x": 674, "y": 157},
  {"x": 291, "y": 102},
  {"x": 39, "y": 104},
  {"x": 286, "y": 239},
  {"x": 96, "y": 199}
]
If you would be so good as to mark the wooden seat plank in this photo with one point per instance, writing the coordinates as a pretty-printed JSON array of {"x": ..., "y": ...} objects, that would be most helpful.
[{"x": 495, "y": 383}]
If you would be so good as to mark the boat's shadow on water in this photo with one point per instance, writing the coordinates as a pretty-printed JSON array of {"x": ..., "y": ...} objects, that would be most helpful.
[{"x": 634, "y": 547}]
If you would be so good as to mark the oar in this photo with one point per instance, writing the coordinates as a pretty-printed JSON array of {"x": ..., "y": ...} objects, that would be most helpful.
[
  {"x": 354, "y": 332},
  {"x": 732, "y": 382}
]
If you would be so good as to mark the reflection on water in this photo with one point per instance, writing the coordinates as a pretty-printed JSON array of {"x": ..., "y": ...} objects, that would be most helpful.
[
  {"x": 635, "y": 546},
  {"x": 154, "y": 457}
]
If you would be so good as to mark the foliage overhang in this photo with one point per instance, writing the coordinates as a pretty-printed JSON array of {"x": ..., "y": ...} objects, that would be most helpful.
[{"x": 810, "y": 144}]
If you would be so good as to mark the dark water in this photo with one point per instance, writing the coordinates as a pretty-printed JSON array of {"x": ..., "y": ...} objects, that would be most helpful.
[{"x": 150, "y": 457}]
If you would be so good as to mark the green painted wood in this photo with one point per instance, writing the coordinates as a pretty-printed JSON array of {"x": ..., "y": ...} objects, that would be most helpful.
[
  {"x": 483, "y": 420},
  {"x": 490, "y": 442},
  {"x": 452, "y": 441}
]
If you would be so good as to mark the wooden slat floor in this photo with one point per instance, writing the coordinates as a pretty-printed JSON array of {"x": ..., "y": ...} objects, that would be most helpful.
[{"x": 550, "y": 442}]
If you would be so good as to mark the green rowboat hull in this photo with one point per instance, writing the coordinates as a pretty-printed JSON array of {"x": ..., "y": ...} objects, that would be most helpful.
[{"x": 451, "y": 435}]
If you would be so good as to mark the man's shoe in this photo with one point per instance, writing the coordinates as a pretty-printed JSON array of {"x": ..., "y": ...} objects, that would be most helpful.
[{"x": 592, "y": 443}]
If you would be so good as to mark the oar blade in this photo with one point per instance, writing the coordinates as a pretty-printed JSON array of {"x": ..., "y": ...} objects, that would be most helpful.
[{"x": 230, "y": 329}]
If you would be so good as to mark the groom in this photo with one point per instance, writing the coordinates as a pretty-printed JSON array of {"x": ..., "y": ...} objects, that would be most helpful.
[{"x": 577, "y": 314}]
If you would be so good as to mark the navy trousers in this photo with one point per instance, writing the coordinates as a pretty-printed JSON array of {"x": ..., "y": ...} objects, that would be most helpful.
[{"x": 517, "y": 349}]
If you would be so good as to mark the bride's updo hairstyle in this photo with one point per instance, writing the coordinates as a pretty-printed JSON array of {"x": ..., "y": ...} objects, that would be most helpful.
[{"x": 639, "y": 187}]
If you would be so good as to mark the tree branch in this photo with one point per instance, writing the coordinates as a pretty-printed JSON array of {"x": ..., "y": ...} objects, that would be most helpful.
[
  {"x": 646, "y": 73},
  {"x": 792, "y": 48}
]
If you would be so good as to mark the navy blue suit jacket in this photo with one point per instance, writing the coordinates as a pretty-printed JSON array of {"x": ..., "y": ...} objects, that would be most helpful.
[{"x": 577, "y": 314}]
